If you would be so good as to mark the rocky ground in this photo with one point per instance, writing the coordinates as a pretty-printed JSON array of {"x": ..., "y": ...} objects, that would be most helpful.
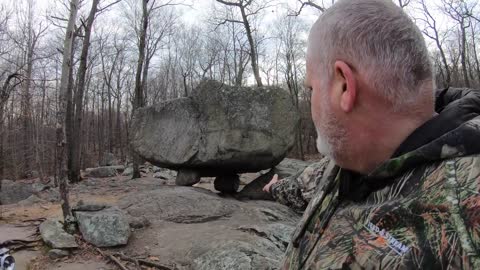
[{"x": 168, "y": 226}]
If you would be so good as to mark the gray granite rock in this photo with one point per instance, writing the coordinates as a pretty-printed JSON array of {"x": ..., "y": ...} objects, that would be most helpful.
[
  {"x": 54, "y": 236},
  {"x": 186, "y": 177},
  {"x": 128, "y": 171},
  {"x": 106, "y": 228},
  {"x": 178, "y": 204}
]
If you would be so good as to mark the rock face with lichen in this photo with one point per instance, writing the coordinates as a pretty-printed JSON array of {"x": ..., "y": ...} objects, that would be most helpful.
[
  {"x": 218, "y": 130},
  {"x": 200, "y": 230},
  {"x": 53, "y": 235},
  {"x": 107, "y": 227}
]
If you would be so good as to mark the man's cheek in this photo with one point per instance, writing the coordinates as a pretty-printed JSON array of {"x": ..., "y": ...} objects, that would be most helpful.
[{"x": 316, "y": 114}]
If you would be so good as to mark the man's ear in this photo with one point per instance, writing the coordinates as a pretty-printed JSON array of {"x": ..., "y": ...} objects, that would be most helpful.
[{"x": 346, "y": 86}]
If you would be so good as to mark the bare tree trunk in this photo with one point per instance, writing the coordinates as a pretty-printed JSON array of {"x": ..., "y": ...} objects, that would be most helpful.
[
  {"x": 92, "y": 123},
  {"x": 61, "y": 116},
  {"x": 475, "y": 55},
  {"x": 69, "y": 115},
  {"x": 118, "y": 128},
  {"x": 139, "y": 97},
  {"x": 27, "y": 127},
  {"x": 77, "y": 121},
  {"x": 39, "y": 145},
  {"x": 101, "y": 125},
  {"x": 4, "y": 96},
  {"x": 145, "y": 80},
  {"x": 445, "y": 63},
  {"x": 463, "y": 54},
  {"x": 253, "y": 48},
  {"x": 243, "y": 5},
  {"x": 110, "y": 120},
  {"x": 185, "y": 86}
]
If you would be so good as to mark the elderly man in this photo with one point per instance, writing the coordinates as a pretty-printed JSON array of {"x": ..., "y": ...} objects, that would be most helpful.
[{"x": 402, "y": 190}]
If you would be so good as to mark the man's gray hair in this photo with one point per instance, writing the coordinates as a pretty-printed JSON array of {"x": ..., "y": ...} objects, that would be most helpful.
[{"x": 378, "y": 39}]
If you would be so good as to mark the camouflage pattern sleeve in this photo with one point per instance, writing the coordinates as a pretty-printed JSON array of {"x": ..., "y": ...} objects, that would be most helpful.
[
  {"x": 296, "y": 191},
  {"x": 287, "y": 191}
]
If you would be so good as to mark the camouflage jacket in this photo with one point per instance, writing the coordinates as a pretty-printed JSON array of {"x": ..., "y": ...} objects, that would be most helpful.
[
  {"x": 418, "y": 210},
  {"x": 296, "y": 191}
]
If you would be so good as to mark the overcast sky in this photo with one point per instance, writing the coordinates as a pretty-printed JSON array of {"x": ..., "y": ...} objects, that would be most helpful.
[{"x": 198, "y": 10}]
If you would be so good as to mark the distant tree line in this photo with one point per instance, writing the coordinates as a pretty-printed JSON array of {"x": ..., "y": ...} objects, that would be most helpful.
[{"x": 72, "y": 74}]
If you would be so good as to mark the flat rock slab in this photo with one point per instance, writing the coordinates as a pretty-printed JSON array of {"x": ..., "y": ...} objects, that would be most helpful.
[
  {"x": 240, "y": 256},
  {"x": 54, "y": 236},
  {"x": 106, "y": 228},
  {"x": 219, "y": 129},
  {"x": 178, "y": 204},
  {"x": 199, "y": 229},
  {"x": 11, "y": 232}
]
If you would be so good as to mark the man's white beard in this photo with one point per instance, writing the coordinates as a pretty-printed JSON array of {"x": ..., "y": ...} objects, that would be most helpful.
[
  {"x": 330, "y": 136},
  {"x": 323, "y": 145}
]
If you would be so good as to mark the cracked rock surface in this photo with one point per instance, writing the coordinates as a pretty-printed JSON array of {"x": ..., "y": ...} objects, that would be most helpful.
[
  {"x": 104, "y": 228},
  {"x": 54, "y": 236},
  {"x": 199, "y": 229}
]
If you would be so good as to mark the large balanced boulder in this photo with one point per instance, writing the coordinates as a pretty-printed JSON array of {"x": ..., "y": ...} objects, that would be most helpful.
[{"x": 218, "y": 130}]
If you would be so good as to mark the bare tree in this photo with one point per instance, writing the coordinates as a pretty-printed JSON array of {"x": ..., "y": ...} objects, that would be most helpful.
[
  {"x": 322, "y": 7},
  {"x": 234, "y": 54},
  {"x": 474, "y": 27},
  {"x": 12, "y": 81},
  {"x": 74, "y": 173},
  {"x": 139, "y": 100},
  {"x": 248, "y": 8},
  {"x": 65, "y": 90},
  {"x": 148, "y": 8},
  {"x": 291, "y": 50},
  {"x": 403, "y": 3},
  {"x": 26, "y": 37},
  {"x": 187, "y": 44},
  {"x": 161, "y": 22},
  {"x": 431, "y": 31},
  {"x": 461, "y": 12},
  {"x": 308, "y": 3}
]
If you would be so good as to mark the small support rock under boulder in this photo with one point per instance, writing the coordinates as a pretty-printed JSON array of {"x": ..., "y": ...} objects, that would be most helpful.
[
  {"x": 227, "y": 183},
  {"x": 186, "y": 177}
]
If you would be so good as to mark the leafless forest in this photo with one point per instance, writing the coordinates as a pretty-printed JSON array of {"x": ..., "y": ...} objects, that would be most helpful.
[{"x": 73, "y": 71}]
